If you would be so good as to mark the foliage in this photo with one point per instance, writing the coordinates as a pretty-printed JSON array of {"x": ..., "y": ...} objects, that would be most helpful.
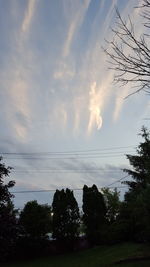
[
  {"x": 36, "y": 220},
  {"x": 135, "y": 211},
  {"x": 65, "y": 215},
  {"x": 130, "y": 54},
  {"x": 94, "y": 211},
  {"x": 112, "y": 202},
  {"x": 8, "y": 223},
  {"x": 141, "y": 167}
]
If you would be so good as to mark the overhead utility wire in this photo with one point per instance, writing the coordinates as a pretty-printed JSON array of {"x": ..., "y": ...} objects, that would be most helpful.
[
  {"x": 70, "y": 154},
  {"x": 64, "y": 152},
  {"x": 118, "y": 180},
  {"x": 64, "y": 171},
  {"x": 63, "y": 158},
  {"x": 74, "y": 189},
  {"x": 52, "y": 190},
  {"x": 80, "y": 169}
]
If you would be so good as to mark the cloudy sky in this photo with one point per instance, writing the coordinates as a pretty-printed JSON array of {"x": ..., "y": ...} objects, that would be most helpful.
[{"x": 63, "y": 122}]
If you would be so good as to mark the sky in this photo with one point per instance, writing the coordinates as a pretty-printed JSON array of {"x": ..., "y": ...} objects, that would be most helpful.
[{"x": 63, "y": 121}]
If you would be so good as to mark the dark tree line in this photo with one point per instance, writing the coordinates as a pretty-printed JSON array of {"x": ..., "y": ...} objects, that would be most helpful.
[{"x": 104, "y": 219}]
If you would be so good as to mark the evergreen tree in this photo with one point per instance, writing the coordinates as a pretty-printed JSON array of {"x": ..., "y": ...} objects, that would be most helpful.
[
  {"x": 135, "y": 211},
  {"x": 66, "y": 216},
  {"x": 140, "y": 163},
  {"x": 94, "y": 211}
]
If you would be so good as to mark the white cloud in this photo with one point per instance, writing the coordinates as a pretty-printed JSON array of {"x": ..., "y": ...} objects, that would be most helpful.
[
  {"x": 94, "y": 108},
  {"x": 74, "y": 25},
  {"x": 28, "y": 15},
  {"x": 63, "y": 72}
]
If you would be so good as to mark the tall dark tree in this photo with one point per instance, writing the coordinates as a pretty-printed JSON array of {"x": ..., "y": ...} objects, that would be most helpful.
[
  {"x": 65, "y": 215},
  {"x": 130, "y": 54},
  {"x": 94, "y": 211},
  {"x": 35, "y": 220},
  {"x": 140, "y": 163},
  {"x": 8, "y": 224},
  {"x": 135, "y": 211}
]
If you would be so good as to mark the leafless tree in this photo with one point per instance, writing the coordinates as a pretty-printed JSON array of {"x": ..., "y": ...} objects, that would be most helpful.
[{"x": 130, "y": 55}]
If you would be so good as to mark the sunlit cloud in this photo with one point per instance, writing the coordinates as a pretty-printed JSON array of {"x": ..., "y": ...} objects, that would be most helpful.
[
  {"x": 21, "y": 132},
  {"x": 94, "y": 108}
]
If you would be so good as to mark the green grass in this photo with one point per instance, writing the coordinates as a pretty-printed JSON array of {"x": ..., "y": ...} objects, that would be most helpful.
[{"x": 95, "y": 257}]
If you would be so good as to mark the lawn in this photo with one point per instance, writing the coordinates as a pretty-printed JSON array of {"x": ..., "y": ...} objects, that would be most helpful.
[{"x": 95, "y": 257}]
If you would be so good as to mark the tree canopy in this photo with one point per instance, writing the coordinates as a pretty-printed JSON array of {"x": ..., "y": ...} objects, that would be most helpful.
[
  {"x": 135, "y": 211},
  {"x": 36, "y": 220},
  {"x": 112, "y": 202},
  {"x": 8, "y": 223}
]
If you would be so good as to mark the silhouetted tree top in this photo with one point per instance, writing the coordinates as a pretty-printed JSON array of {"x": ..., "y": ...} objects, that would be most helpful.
[
  {"x": 8, "y": 224},
  {"x": 140, "y": 163},
  {"x": 36, "y": 219},
  {"x": 66, "y": 216},
  {"x": 130, "y": 55},
  {"x": 5, "y": 195},
  {"x": 94, "y": 211}
]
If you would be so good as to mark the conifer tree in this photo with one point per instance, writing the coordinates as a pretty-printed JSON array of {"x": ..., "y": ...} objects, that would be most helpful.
[
  {"x": 94, "y": 211},
  {"x": 140, "y": 163},
  {"x": 135, "y": 211},
  {"x": 66, "y": 217}
]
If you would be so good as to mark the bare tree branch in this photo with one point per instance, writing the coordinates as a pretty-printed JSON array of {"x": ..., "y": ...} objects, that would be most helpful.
[{"x": 129, "y": 55}]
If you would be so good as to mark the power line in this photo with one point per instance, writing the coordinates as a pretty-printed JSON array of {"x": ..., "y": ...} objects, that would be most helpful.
[
  {"x": 78, "y": 154},
  {"x": 72, "y": 154},
  {"x": 52, "y": 190},
  {"x": 118, "y": 180},
  {"x": 57, "y": 172},
  {"x": 67, "y": 171},
  {"x": 74, "y": 189},
  {"x": 63, "y": 158},
  {"x": 65, "y": 152},
  {"x": 51, "y": 172}
]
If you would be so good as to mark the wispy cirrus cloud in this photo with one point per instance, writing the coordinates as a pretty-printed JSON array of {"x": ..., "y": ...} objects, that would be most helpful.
[
  {"x": 74, "y": 25},
  {"x": 19, "y": 74},
  {"x": 91, "y": 71},
  {"x": 71, "y": 89},
  {"x": 29, "y": 13},
  {"x": 94, "y": 108}
]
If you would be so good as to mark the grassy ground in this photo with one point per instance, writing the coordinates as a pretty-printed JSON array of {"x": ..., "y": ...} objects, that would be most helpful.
[{"x": 96, "y": 257}]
